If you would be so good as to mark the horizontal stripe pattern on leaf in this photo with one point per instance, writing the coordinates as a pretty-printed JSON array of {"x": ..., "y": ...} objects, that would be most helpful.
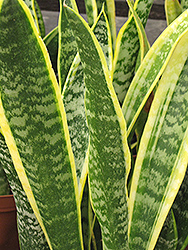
[
  {"x": 163, "y": 153},
  {"x": 109, "y": 155},
  {"x": 33, "y": 122}
]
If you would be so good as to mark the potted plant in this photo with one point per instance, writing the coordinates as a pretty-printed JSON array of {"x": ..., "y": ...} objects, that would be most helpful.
[
  {"x": 8, "y": 223},
  {"x": 66, "y": 144}
]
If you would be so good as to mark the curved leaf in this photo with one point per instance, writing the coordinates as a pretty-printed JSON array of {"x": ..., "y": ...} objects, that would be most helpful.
[
  {"x": 151, "y": 69},
  {"x": 163, "y": 153}
]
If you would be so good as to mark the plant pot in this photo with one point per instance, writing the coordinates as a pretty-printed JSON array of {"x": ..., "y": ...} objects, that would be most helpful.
[{"x": 8, "y": 224}]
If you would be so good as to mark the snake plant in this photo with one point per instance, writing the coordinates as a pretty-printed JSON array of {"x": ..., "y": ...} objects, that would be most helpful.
[{"x": 94, "y": 126}]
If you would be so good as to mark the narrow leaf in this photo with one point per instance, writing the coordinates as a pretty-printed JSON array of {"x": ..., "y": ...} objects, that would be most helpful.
[
  {"x": 172, "y": 9},
  {"x": 127, "y": 48},
  {"x": 109, "y": 156},
  {"x": 51, "y": 42},
  {"x": 67, "y": 44},
  {"x": 109, "y": 6},
  {"x": 74, "y": 97},
  {"x": 91, "y": 11}
]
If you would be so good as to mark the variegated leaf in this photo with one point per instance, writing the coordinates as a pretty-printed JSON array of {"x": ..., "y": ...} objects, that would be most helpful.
[
  {"x": 31, "y": 235},
  {"x": 91, "y": 11},
  {"x": 180, "y": 208},
  {"x": 168, "y": 237},
  {"x": 67, "y": 44},
  {"x": 73, "y": 98},
  {"x": 172, "y": 9},
  {"x": 144, "y": 43},
  {"x": 109, "y": 156},
  {"x": 163, "y": 153},
  {"x": 126, "y": 51},
  {"x": 51, "y": 42},
  {"x": 184, "y": 4},
  {"x": 4, "y": 185},
  {"x": 109, "y": 6},
  {"x": 37, "y": 16},
  {"x": 151, "y": 69},
  {"x": 101, "y": 30},
  {"x": 74, "y": 95},
  {"x": 34, "y": 125}
]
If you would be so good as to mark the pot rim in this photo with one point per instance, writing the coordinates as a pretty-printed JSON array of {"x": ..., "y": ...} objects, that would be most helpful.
[{"x": 7, "y": 203}]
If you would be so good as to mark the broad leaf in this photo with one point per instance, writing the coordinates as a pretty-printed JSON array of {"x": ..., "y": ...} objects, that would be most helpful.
[
  {"x": 34, "y": 125},
  {"x": 163, "y": 153},
  {"x": 109, "y": 156}
]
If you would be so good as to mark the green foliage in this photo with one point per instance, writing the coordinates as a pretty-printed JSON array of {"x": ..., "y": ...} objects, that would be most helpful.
[{"x": 71, "y": 104}]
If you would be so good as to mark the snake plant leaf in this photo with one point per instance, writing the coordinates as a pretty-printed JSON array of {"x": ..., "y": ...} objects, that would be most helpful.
[
  {"x": 67, "y": 44},
  {"x": 184, "y": 4},
  {"x": 31, "y": 235},
  {"x": 73, "y": 98},
  {"x": 180, "y": 208},
  {"x": 34, "y": 125},
  {"x": 102, "y": 32},
  {"x": 144, "y": 44},
  {"x": 172, "y": 10},
  {"x": 151, "y": 69},
  {"x": 163, "y": 153},
  {"x": 39, "y": 18},
  {"x": 168, "y": 237},
  {"x": 109, "y": 6},
  {"x": 91, "y": 11},
  {"x": 51, "y": 42},
  {"x": 126, "y": 50},
  {"x": 109, "y": 156},
  {"x": 36, "y": 13}
]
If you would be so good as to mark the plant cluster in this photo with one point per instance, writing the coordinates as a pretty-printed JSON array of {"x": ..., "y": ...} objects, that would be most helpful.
[{"x": 94, "y": 126}]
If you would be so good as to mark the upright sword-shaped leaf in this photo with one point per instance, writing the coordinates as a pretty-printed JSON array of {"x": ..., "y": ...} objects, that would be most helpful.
[
  {"x": 67, "y": 49},
  {"x": 151, "y": 69},
  {"x": 30, "y": 233},
  {"x": 109, "y": 156},
  {"x": 91, "y": 11},
  {"x": 163, "y": 153},
  {"x": 34, "y": 125}
]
